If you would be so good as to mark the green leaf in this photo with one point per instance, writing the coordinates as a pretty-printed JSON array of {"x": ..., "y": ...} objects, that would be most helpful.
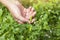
[{"x": 1, "y": 11}]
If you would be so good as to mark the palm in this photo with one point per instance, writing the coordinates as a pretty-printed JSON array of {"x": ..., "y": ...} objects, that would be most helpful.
[{"x": 20, "y": 14}]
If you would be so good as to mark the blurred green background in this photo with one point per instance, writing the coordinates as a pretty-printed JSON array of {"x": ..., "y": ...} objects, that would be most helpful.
[{"x": 46, "y": 26}]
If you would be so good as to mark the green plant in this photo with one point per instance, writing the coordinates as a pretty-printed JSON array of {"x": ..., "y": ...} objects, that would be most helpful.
[{"x": 46, "y": 26}]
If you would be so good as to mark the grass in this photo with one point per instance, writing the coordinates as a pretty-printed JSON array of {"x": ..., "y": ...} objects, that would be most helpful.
[{"x": 46, "y": 26}]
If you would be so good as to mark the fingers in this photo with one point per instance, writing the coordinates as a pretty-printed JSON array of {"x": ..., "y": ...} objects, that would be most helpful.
[
  {"x": 30, "y": 8},
  {"x": 30, "y": 14},
  {"x": 23, "y": 19},
  {"x": 31, "y": 11},
  {"x": 33, "y": 20},
  {"x": 34, "y": 13},
  {"x": 18, "y": 21}
]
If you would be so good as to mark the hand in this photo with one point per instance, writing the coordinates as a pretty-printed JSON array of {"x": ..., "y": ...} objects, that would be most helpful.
[
  {"x": 26, "y": 13},
  {"x": 29, "y": 13},
  {"x": 20, "y": 14}
]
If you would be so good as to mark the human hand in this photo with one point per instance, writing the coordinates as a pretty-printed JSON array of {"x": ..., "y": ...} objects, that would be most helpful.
[
  {"x": 29, "y": 13},
  {"x": 20, "y": 14}
]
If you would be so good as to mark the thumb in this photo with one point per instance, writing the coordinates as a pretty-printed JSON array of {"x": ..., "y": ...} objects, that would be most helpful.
[{"x": 23, "y": 19}]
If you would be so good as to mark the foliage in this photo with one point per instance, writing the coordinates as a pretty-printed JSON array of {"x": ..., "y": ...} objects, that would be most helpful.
[
  {"x": 46, "y": 26},
  {"x": 25, "y": 3}
]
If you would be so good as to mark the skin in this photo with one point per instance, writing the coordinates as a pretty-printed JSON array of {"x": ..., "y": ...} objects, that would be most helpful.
[{"x": 20, "y": 14}]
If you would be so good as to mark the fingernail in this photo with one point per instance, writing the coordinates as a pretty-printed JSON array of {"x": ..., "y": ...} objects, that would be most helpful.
[
  {"x": 32, "y": 8},
  {"x": 33, "y": 20},
  {"x": 28, "y": 21},
  {"x": 35, "y": 12}
]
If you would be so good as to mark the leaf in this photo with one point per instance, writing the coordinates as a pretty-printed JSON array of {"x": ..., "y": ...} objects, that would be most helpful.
[{"x": 1, "y": 11}]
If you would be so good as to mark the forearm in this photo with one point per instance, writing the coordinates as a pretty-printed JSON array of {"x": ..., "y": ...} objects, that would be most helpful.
[
  {"x": 8, "y": 2},
  {"x": 5, "y": 2},
  {"x": 19, "y": 4}
]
